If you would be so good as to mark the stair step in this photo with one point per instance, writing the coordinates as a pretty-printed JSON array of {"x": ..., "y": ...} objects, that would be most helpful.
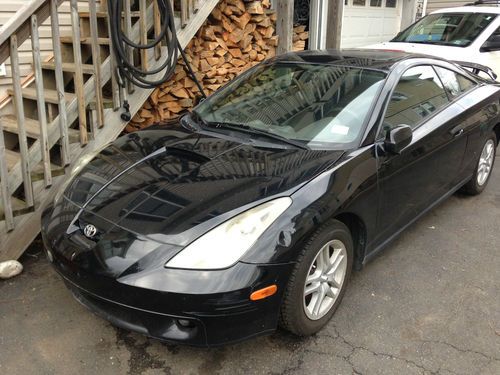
[
  {"x": 68, "y": 39},
  {"x": 32, "y": 127},
  {"x": 49, "y": 95},
  {"x": 37, "y": 173},
  {"x": 68, "y": 67},
  {"x": 12, "y": 158},
  {"x": 19, "y": 207}
]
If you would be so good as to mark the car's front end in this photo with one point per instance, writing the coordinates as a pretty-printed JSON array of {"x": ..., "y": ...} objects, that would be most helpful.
[
  {"x": 175, "y": 305},
  {"x": 151, "y": 234}
]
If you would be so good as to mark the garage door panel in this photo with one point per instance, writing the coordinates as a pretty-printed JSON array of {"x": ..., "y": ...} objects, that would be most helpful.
[{"x": 364, "y": 25}]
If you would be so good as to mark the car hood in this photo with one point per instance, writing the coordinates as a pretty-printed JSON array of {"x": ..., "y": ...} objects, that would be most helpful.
[{"x": 171, "y": 185}]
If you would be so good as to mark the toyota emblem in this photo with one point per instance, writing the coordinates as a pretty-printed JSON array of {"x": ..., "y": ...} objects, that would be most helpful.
[{"x": 89, "y": 231}]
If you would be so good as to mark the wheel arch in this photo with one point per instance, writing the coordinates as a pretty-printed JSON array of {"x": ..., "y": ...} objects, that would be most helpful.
[
  {"x": 359, "y": 235},
  {"x": 496, "y": 130}
]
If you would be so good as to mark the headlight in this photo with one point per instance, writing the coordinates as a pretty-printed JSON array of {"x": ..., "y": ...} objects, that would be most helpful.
[{"x": 222, "y": 246}]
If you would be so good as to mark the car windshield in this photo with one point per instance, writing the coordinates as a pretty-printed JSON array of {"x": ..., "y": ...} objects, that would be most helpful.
[
  {"x": 318, "y": 106},
  {"x": 454, "y": 29}
]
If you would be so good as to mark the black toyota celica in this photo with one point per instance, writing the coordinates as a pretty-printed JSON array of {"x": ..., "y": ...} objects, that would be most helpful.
[{"x": 252, "y": 211}]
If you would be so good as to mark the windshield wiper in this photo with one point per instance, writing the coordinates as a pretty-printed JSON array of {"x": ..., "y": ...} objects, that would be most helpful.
[
  {"x": 248, "y": 129},
  {"x": 251, "y": 130}
]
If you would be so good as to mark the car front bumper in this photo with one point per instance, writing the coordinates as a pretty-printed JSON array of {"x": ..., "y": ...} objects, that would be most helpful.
[{"x": 206, "y": 319}]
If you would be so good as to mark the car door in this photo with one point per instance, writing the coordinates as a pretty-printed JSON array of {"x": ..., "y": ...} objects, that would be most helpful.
[{"x": 428, "y": 168}]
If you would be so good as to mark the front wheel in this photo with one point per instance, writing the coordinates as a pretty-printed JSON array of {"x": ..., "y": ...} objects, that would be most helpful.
[
  {"x": 319, "y": 280},
  {"x": 484, "y": 167}
]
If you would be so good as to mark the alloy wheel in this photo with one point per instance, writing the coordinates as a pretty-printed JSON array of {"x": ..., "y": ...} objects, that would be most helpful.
[
  {"x": 485, "y": 162},
  {"x": 325, "y": 279}
]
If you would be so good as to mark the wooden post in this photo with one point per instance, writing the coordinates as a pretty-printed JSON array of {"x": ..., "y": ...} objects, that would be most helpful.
[
  {"x": 143, "y": 33},
  {"x": 96, "y": 59},
  {"x": 127, "y": 27},
  {"x": 157, "y": 28},
  {"x": 78, "y": 76},
  {"x": 58, "y": 72},
  {"x": 21, "y": 127},
  {"x": 40, "y": 101},
  {"x": 284, "y": 26},
  {"x": 4, "y": 178},
  {"x": 334, "y": 24},
  {"x": 184, "y": 12},
  {"x": 115, "y": 87}
]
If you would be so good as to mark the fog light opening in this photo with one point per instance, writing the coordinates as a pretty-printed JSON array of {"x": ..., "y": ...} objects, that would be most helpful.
[
  {"x": 268, "y": 291},
  {"x": 185, "y": 323}
]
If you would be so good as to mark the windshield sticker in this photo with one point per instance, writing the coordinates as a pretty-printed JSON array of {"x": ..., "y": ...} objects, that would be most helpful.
[{"x": 340, "y": 129}]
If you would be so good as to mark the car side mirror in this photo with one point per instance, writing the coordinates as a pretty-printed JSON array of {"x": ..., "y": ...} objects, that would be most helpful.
[
  {"x": 398, "y": 138},
  {"x": 491, "y": 45}
]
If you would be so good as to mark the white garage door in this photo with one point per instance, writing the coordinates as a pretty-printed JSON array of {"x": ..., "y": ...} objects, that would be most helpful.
[{"x": 367, "y": 22}]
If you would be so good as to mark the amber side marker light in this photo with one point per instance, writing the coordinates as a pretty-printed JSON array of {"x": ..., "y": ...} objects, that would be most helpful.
[{"x": 268, "y": 291}]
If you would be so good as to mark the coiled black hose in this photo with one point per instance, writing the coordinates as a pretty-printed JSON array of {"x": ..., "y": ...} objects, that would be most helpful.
[{"x": 134, "y": 74}]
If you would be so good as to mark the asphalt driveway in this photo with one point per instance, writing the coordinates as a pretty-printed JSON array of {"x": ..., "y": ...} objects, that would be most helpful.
[{"x": 430, "y": 304}]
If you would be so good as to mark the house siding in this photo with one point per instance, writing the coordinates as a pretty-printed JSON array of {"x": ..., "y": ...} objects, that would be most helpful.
[{"x": 8, "y": 9}]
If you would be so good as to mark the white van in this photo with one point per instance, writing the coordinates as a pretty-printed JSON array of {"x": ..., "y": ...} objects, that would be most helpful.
[{"x": 469, "y": 34}]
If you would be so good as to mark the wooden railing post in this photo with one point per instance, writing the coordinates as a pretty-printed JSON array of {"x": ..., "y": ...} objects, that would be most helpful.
[
  {"x": 157, "y": 27},
  {"x": 21, "y": 129},
  {"x": 144, "y": 33},
  {"x": 184, "y": 12},
  {"x": 78, "y": 76},
  {"x": 40, "y": 101},
  {"x": 115, "y": 88},
  {"x": 58, "y": 72},
  {"x": 96, "y": 58},
  {"x": 4, "y": 178},
  {"x": 128, "y": 32}
]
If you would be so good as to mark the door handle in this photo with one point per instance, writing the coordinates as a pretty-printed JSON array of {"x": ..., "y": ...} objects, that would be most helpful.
[{"x": 458, "y": 132}]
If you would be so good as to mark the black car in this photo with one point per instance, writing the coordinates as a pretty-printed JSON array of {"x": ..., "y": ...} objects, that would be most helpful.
[{"x": 252, "y": 211}]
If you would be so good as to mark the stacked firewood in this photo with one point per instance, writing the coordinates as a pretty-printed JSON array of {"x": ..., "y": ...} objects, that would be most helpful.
[
  {"x": 300, "y": 36},
  {"x": 238, "y": 35}
]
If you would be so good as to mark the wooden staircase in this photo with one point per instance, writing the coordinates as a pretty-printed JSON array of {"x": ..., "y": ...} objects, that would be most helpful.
[{"x": 70, "y": 108}]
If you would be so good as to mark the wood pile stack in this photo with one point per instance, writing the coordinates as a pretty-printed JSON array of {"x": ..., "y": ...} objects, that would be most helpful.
[
  {"x": 300, "y": 37},
  {"x": 238, "y": 35}
]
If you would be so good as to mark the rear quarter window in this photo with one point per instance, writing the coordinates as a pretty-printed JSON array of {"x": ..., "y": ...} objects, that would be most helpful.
[{"x": 454, "y": 83}]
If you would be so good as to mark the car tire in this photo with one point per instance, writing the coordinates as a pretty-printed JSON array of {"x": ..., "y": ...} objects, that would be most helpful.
[
  {"x": 479, "y": 180},
  {"x": 299, "y": 312}
]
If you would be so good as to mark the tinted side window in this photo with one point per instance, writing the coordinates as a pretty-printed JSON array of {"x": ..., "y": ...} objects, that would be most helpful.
[
  {"x": 417, "y": 95},
  {"x": 454, "y": 83},
  {"x": 465, "y": 83}
]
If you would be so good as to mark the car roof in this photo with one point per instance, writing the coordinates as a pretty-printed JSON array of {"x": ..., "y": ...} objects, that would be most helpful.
[
  {"x": 469, "y": 9},
  {"x": 378, "y": 59}
]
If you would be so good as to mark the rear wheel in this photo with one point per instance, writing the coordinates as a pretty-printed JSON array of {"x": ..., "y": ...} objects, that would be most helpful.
[
  {"x": 319, "y": 280},
  {"x": 484, "y": 167}
]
